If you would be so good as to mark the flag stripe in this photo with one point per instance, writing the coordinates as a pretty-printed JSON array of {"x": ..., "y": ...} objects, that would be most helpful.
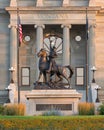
[{"x": 20, "y": 30}]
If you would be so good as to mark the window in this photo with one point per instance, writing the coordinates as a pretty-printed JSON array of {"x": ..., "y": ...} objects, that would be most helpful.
[
  {"x": 25, "y": 73},
  {"x": 53, "y": 41},
  {"x": 79, "y": 76}
]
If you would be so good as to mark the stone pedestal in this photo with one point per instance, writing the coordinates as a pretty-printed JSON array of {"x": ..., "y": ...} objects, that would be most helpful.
[
  {"x": 12, "y": 90},
  {"x": 97, "y": 105},
  {"x": 40, "y": 101},
  {"x": 94, "y": 86}
]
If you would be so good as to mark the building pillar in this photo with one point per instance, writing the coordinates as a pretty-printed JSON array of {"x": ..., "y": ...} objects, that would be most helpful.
[
  {"x": 13, "y": 3},
  {"x": 66, "y": 2},
  {"x": 91, "y": 49},
  {"x": 39, "y": 3},
  {"x": 92, "y": 2},
  {"x": 66, "y": 44},
  {"x": 13, "y": 51},
  {"x": 39, "y": 44}
]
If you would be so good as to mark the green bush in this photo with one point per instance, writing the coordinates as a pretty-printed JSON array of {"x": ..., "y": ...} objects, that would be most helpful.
[
  {"x": 52, "y": 113},
  {"x": 8, "y": 110},
  {"x": 101, "y": 109},
  {"x": 14, "y": 109},
  {"x": 1, "y": 109},
  {"x": 86, "y": 108}
]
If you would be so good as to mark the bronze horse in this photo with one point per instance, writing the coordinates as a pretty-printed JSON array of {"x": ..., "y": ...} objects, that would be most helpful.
[{"x": 60, "y": 71}]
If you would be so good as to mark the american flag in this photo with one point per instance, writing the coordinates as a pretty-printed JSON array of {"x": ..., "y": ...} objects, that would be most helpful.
[
  {"x": 20, "y": 33},
  {"x": 87, "y": 30}
]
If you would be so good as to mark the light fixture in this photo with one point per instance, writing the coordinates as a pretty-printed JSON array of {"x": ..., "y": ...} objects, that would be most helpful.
[
  {"x": 78, "y": 38},
  {"x": 27, "y": 38},
  {"x": 11, "y": 70},
  {"x": 97, "y": 89},
  {"x": 52, "y": 40},
  {"x": 93, "y": 69}
]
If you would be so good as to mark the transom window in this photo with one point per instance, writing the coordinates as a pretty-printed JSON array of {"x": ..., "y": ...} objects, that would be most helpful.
[{"x": 52, "y": 40}]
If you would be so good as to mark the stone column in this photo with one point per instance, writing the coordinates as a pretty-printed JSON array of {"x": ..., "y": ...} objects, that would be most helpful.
[
  {"x": 91, "y": 49},
  {"x": 13, "y": 50},
  {"x": 13, "y": 3},
  {"x": 39, "y": 3},
  {"x": 66, "y": 44},
  {"x": 39, "y": 44},
  {"x": 66, "y": 2},
  {"x": 92, "y": 3}
]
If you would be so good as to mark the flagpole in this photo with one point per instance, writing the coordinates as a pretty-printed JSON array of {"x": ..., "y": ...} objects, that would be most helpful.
[
  {"x": 18, "y": 52},
  {"x": 86, "y": 56}
]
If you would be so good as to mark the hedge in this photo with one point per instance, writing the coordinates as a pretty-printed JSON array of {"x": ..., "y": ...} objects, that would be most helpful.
[{"x": 52, "y": 123}]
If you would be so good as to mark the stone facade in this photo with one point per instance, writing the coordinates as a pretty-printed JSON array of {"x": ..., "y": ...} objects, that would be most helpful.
[{"x": 38, "y": 18}]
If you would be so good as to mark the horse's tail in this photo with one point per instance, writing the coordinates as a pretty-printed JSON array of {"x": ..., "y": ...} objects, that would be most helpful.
[{"x": 71, "y": 70}]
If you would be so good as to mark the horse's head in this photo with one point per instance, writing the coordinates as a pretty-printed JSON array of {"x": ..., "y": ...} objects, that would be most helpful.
[{"x": 42, "y": 53}]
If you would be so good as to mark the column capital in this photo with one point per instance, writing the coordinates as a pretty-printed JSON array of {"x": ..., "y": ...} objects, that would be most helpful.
[
  {"x": 93, "y": 25},
  {"x": 11, "y": 25},
  {"x": 36, "y": 26},
  {"x": 66, "y": 25}
]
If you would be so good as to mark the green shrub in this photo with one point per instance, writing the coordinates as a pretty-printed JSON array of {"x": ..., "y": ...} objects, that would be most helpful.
[
  {"x": 52, "y": 113},
  {"x": 101, "y": 109},
  {"x": 9, "y": 110},
  {"x": 14, "y": 109},
  {"x": 1, "y": 109},
  {"x": 86, "y": 109}
]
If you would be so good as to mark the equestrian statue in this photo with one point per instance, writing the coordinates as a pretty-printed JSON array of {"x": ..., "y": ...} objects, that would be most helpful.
[{"x": 48, "y": 65}]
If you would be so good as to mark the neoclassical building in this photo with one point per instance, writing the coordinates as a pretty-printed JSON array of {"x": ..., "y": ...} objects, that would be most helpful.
[{"x": 63, "y": 21}]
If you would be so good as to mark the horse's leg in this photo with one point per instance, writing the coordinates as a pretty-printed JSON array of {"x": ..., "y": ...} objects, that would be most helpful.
[
  {"x": 60, "y": 77},
  {"x": 51, "y": 84},
  {"x": 66, "y": 79},
  {"x": 71, "y": 71},
  {"x": 45, "y": 78},
  {"x": 40, "y": 74}
]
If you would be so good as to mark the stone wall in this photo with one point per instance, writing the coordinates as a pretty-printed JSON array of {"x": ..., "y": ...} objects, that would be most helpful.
[
  {"x": 99, "y": 50},
  {"x": 51, "y": 3},
  {"x": 4, "y": 50},
  {"x": 99, "y": 53},
  {"x": 4, "y": 3},
  {"x": 100, "y": 3},
  {"x": 26, "y": 3}
]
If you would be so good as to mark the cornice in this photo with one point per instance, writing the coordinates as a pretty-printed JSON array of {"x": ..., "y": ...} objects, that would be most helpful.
[
  {"x": 69, "y": 8},
  {"x": 101, "y": 12}
]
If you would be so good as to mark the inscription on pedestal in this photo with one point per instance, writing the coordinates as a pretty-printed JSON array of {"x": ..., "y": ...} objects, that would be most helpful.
[{"x": 45, "y": 107}]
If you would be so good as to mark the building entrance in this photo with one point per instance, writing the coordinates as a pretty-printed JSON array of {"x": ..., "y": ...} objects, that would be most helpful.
[
  {"x": 78, "y": 56},
  {"x": 53, "y": 33}
]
